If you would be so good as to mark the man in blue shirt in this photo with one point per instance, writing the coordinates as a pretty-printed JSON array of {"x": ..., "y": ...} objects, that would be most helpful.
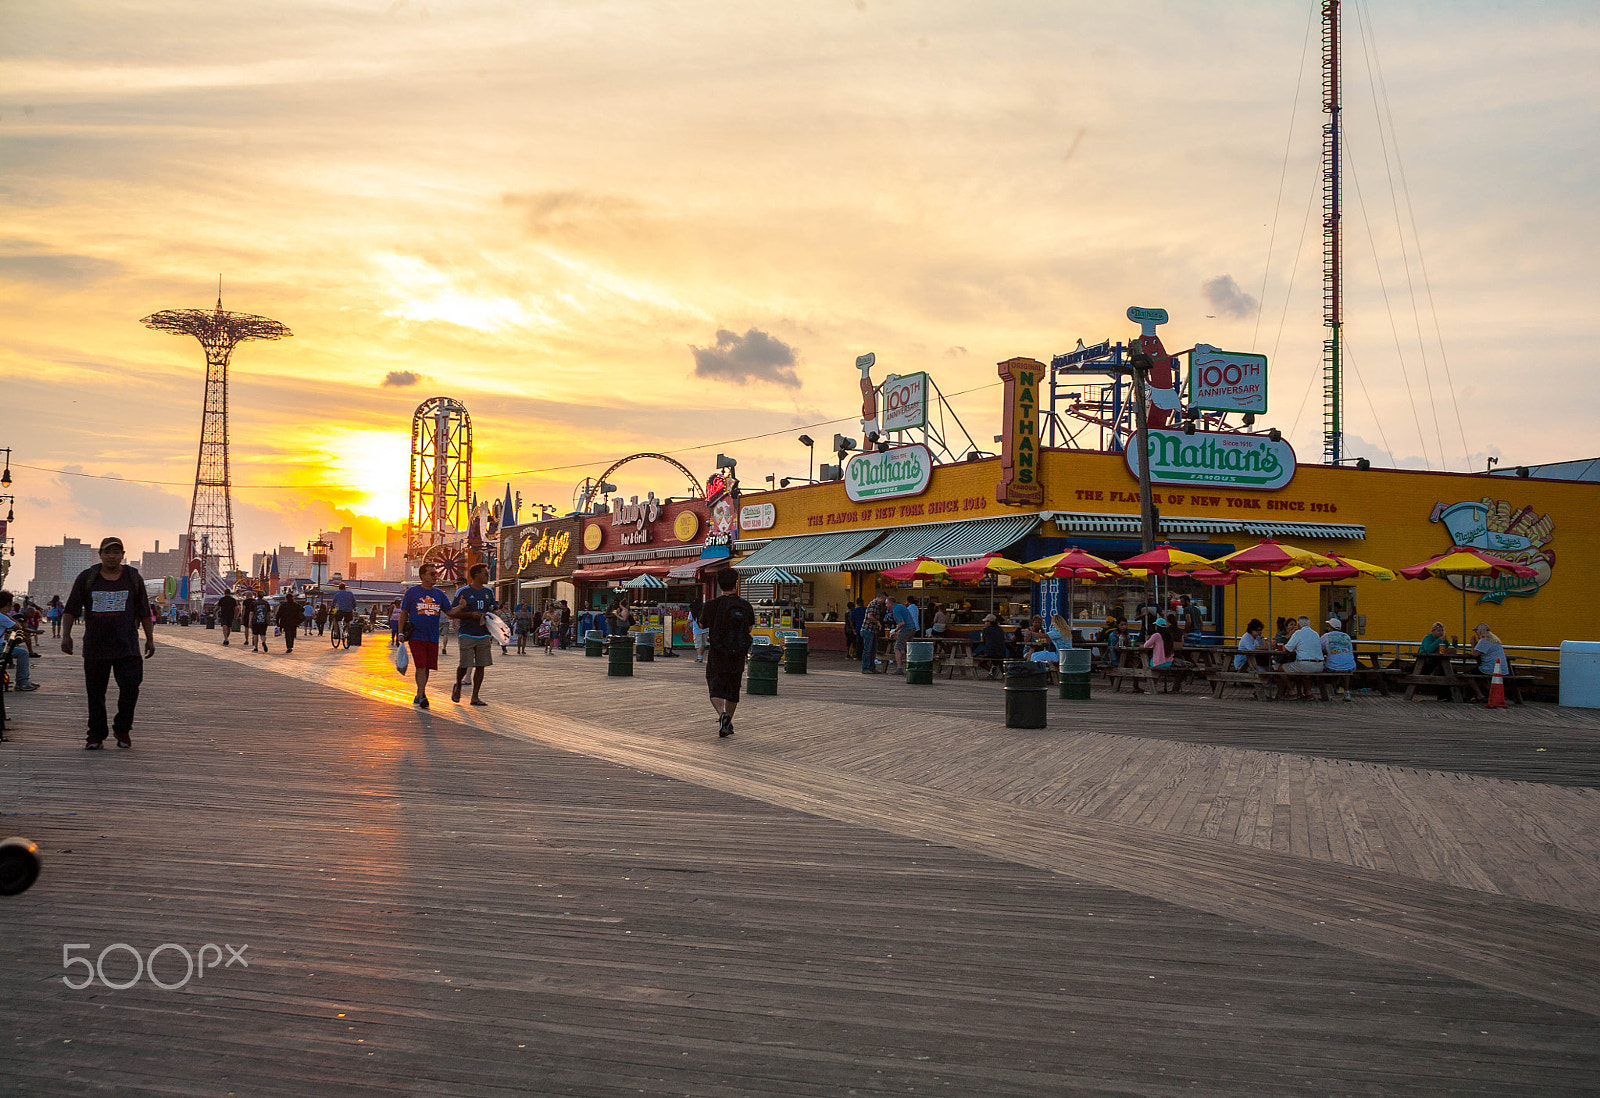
[
  {"x": 1338, "y": 651},
  {"x": 421, "y": 609},
  {"x": 907, "y": 622},
  {"x": 344, "y": 607},
  {"x": 472, "y": 606}
]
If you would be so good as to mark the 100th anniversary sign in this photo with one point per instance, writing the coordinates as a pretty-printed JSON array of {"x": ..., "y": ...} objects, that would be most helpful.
[
  {"x": 1238, "y": 461},
  {"x": 903, "y": 471}
]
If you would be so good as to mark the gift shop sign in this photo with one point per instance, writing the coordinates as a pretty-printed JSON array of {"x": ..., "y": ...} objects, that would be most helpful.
[
  {"x": 905, "y": 402},
  {"x": 1227, "y": 381},
  {"x": 1234, "y": 461},
  {"x": 902, "y": 471}
]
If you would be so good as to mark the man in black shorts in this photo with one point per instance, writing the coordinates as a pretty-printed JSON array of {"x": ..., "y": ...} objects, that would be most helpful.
[{"x": 727, "y": 620}]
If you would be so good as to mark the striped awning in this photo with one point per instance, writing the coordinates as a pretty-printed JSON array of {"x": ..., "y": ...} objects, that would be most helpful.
[
  {"x": 947, "y": 542},
  {"x": 771, "y": 576},
  {"x": 647, "y": 581},
  {"x": 808, "y": 553},
  {"x": 1077, "y": 522}
]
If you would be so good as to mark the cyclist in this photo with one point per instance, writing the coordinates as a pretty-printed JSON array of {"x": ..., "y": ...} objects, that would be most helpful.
[{"x": 344, "y": 608}]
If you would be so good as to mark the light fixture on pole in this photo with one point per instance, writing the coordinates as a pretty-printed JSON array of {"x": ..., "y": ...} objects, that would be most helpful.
[
  {"x": 5, "y": 478},
  {"x": 811, "y": 456}
]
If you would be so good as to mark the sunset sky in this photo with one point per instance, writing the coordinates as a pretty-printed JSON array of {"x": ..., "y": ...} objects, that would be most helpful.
[{"x": 614, "y": 227}]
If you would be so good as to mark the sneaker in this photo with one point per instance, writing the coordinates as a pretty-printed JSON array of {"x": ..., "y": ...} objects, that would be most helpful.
[
  {"x": 28, "y": 686},
  {"x": 93, "y": 745},
  {"x": 725, "y": 726},
  {"x": 424, "y": 703},
  {"x": 417, "y": 701},
  {"x": 124, "y": 741},
  {"x": 455, "y": 692}
]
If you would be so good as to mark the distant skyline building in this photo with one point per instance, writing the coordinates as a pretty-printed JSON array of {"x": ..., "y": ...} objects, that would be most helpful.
[{"x": 56, "y": 566}]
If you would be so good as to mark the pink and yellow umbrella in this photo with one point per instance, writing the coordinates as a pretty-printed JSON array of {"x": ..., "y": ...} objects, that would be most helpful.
[
  {"x": 1463, "y": 560},
  {"x": 921, "y": 568},
  {"x": 990, "y": 564}
]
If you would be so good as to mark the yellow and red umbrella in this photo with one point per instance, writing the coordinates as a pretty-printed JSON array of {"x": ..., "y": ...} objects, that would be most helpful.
[
  {"x": 1347, "y": 568},
  {"x": 1463, "y": 560},
  {"x": 1272, "y": 556},
  {"x": 1075, "y": 564},
  {"x": 990, "y": 564},
  {"x": 1166, "y": 559},
  {"x": 921, "y": 568}
]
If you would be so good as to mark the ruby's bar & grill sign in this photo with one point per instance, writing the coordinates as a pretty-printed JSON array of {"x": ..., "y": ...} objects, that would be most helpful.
[
  {"x": 1021, "y": 482},
  {"x": 1238, "y": 461}
]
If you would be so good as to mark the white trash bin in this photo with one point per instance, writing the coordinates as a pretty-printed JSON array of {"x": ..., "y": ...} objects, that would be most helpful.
[{"x": 1580, "y": 674}]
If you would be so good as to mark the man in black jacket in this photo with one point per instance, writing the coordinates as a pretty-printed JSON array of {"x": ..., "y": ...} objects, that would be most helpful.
[
  {"x": 727, "y": 620},
  {"x": 290, "y": 616},
  {"x": 111, "y": 599},
  {"x": 227, "y": 606}
]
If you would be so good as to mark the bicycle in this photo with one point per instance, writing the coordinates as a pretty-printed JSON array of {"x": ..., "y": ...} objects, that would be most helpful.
[{"x": 337, "y": 635}]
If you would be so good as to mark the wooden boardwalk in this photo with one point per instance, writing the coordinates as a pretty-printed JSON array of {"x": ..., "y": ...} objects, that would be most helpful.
[{"x": 871, "y": 889}]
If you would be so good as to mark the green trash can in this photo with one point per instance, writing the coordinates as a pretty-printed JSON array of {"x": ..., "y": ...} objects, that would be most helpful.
[
  {"x": 919, "y": 663},
  {"x": 594, "y": 643},
  {"x": 644, "y": 647},
  {"x": 621, "y": 665},
  {"x": 1075, "y": 663},
  {"x": 794, "y": 655},
  {"x": 1027, "y": 691},
  {"x": 763, "y": 669}
]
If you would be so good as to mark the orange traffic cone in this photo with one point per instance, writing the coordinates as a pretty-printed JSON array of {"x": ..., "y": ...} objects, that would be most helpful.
[{"x": 1497, "y": 688}]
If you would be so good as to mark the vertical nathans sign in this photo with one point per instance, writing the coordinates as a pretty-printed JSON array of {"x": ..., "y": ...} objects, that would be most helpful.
[{"x": 1021, "y": 472}]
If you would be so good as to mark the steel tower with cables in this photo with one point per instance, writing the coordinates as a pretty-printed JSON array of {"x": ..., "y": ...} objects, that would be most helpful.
[
  {"x": 1332, "y": 257},
  {"x": 211, "y": 508}
]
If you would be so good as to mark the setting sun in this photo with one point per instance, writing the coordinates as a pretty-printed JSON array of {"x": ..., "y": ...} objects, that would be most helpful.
[{"x": 370, "y": 468}]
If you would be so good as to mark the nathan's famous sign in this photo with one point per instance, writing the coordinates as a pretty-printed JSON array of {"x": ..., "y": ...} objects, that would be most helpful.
[
  {"x": 1504, "y": 530},
  {"x": 902, "y": 471},
  {"x": 1237, "y": 461}
]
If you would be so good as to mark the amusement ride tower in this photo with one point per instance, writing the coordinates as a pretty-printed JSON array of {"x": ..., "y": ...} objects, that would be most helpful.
[
  {"x": 211, "y": 508},
  {"x": 441, "y": 485}
]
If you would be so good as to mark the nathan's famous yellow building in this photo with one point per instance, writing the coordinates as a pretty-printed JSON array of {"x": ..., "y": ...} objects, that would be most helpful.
[{"x": 837, "y": 544}]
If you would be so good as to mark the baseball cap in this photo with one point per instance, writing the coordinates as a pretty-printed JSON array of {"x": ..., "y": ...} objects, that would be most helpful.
[
  {"x": 107, "y": 543},
  {"x": 1335, "y": 622}
]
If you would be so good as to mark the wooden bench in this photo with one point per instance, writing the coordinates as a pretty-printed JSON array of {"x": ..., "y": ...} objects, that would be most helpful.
[
  {"x": 1219, "y": 681},
  {"x": 1319, "y": 679},
  {"x": 1170, "y": 678}
]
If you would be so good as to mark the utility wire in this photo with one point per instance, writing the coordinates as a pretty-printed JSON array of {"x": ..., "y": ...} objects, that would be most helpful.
[
  {"x": 1345, "y": 356},
  {"x": 1399, "y": 231},
  {"x": 484, "y": 476},
  {"x": 1377, "y": 267},
  {"x": 1277, "y": 205},
  {"x": 1416, "y": 237}
]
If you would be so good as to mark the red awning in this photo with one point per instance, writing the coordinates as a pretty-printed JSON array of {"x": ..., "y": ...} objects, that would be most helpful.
[{"x": 604, "y": 572}]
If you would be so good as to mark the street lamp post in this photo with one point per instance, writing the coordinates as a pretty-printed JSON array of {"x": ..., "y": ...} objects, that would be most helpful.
[{"x": 811, "y": 456}]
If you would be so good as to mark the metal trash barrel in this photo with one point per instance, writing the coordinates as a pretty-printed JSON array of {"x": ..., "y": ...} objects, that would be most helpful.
[
  {"x": 919, "y": 663},
  {"x": 644, "y": 647},
  {"x": 763, "y": 669},
  {"x": 794, "y": 655},
  {"x": 594, "y": 643},
  {"x": 354, "y": 631},
  {"x": 211, "y": 621},
  {"x": 621, "y": 665},
  {"x": 1075, "y": 663},
  {"x": 1027, "y": 688}
]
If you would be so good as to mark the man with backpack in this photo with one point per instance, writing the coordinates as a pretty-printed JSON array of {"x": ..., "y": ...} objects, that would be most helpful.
[
  {"x": 727, "y": 620},
  {"x": 260, "y": 616}
]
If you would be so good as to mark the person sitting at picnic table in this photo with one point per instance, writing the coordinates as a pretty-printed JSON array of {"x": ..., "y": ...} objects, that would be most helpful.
[
  {"x": 941, "y": 620},
  {"x": 1252, "y": 641},
  {"x": 1490, "y": 651},
  {"x": 1280, "y": 639},
  {"x": 1306, "y": 648},
  {"x": 1434, "y": 641},
  {"x": 992, "y": 644},
  {"x": 1338, "y": 651},
  {"x": 1160, "y": 657}
]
